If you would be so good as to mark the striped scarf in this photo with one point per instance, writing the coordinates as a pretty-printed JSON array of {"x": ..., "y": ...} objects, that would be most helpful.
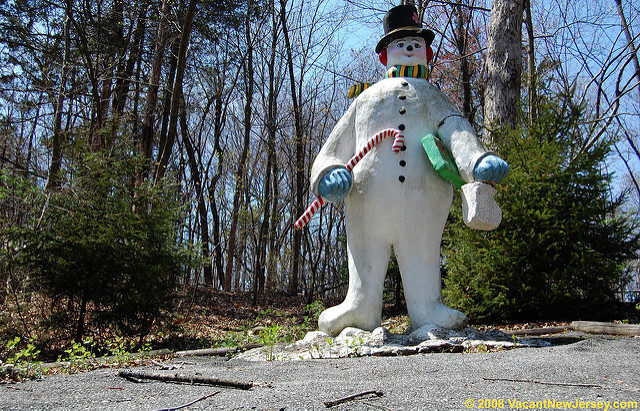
[
  {"x": 356, "y": 89},
  {"x": 418, "y": 71}
]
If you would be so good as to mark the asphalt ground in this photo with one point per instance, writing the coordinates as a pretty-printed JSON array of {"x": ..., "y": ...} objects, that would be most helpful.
[{"x": 587, "y": 374}]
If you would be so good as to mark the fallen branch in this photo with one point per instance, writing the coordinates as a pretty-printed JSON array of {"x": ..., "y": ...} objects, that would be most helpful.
[
  {"x": 562, "y": 384},
  {"x": 330, "y": 404},
  {"x": 191, "y": 403},
  {"x": 221, "y": 351},
  {"x": 192, "y": 379},
  {"x": 594, "y": 327}
]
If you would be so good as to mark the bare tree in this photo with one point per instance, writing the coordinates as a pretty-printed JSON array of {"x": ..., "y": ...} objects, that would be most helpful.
[
  {"x": 267, "y": 192},
  {"x": 633, "y": 51},
  {"x": 167, "y": 148},
  {"x": 240, "y": 183},
  {"x": 161, "y": 38},
  {"x": 299, "y": 158}
]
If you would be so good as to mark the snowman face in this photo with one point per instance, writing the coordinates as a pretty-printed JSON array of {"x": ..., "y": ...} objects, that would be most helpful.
[{"x": 407, "y": 51}]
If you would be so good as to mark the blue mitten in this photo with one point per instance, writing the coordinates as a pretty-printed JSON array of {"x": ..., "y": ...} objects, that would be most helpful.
[
  {"x": 491, "y": 168},
  {"x": 335, "y": 185}
]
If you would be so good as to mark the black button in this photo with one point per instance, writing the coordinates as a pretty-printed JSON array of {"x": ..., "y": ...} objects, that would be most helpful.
[
  {"x": 402, "y": 97},
  {"x": 401, "y": 178},
  {"x": 403, "y": 163},
  {"x": 403, "y": 148},
  {"x": 401, "y": 127},
  {"x": 404, "y": 83},
  {"x": 403, "y": 110}
]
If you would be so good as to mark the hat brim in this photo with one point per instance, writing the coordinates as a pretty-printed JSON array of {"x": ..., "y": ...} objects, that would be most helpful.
[{"x": 426, "y": 34}]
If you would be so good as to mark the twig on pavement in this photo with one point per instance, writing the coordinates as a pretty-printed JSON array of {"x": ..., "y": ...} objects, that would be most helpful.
[
  {"x": 191, "y": 403},
  {"x": 563, "y": 384},
  {"x": 192, "y": 379},
  {"x": 330, "y": 404}
]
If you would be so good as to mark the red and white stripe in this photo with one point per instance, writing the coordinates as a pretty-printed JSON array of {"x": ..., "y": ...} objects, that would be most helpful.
[
  {"x": 398, "y": 142},
  {"x": 311, "y": 210}
]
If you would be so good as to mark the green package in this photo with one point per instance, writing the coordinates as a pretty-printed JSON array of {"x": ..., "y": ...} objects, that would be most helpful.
[{"x": 442, "y": 160}]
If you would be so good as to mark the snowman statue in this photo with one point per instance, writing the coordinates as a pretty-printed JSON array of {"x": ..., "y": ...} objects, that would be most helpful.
[{"x": 394, "y": 199}]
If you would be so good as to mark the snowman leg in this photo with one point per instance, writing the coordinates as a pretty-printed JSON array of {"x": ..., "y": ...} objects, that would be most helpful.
[
  {"x": 418, "y": 254},
  {"x": 368, "y": 257}
]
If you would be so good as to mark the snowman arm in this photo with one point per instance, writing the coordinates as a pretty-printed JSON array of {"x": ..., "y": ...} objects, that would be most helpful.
[
  {"x": 336, "y": 150},
  {"x": 459, "y": 137}
]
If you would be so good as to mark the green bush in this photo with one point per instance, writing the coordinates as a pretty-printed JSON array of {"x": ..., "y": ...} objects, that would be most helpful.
[
  {"x": 561, "y": 248},
  {"x": 108, "y": 245}
]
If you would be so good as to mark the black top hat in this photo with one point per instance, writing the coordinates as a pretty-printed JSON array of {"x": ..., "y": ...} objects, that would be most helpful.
[{"x": 402, "y": 21}]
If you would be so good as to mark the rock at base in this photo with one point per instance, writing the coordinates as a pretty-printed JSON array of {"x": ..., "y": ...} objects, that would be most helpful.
[{"x": 354, "y": 342}]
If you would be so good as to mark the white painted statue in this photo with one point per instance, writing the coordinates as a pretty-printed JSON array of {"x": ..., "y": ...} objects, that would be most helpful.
[{"x": 397, "y": 201}]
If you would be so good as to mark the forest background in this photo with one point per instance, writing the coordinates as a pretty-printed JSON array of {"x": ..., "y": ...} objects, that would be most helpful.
[{"x": 154, "y": 155}]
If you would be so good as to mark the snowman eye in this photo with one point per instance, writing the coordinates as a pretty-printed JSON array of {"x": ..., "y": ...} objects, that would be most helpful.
[
  {"x": 416, "y": 45},
  {"x": 400, "y": 44}
]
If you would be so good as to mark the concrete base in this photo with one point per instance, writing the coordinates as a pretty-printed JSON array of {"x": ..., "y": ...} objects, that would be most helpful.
[{"x": 354, "y": 342}]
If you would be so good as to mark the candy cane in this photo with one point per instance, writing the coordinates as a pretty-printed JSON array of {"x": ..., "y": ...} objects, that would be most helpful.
[{"x": 398, "y": 142}]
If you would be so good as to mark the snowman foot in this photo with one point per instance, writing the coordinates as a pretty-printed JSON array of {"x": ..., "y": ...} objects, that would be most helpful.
[
  {"x": 335, "y": 319},
  {"x": 441, "y": 315}
]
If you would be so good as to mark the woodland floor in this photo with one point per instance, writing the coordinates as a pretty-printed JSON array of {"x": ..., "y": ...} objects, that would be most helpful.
[{"x": 205, "y": 319}]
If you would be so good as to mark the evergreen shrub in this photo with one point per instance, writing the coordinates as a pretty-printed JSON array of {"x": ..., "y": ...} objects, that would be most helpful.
[
  {"x": 562, "y": 246},
  {"x": 108, "y": 245}
]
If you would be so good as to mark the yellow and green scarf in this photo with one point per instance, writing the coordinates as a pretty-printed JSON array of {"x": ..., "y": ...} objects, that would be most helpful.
[{"x": 418, "y": 71}]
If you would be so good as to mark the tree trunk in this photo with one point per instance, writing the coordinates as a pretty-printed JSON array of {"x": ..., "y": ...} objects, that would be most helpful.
[
  {"x": 261, "y": 249},
  {"x": 504, "y": 66},
  {"x": 146, "y": 140},
  {"x": 630, "y": 44},
  {"x": 34, "y": 125},
  {"x": 135, "y": 127},
  {"x": 81, "y": 318},
  {"x": 263, "y": 238},
  {"x": 633, "y": 55},
  {"x": 240, "y": 186},
  {"x": 161, "y": 137},
  {"x": 111, "y": 64},
  {"x": 217, "y": 241},
  {"x": 273, "y": 230},
  {"x": 53, "y": 179},
  {"x": 531, "y": 64},
  {"x": 177, "y": 91},
  {"x": 465, "y": 75},
  {"x": 202, "y": 208},
  {"x": 299, "y": 162},
  {"x": 124, "y": 79}
]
